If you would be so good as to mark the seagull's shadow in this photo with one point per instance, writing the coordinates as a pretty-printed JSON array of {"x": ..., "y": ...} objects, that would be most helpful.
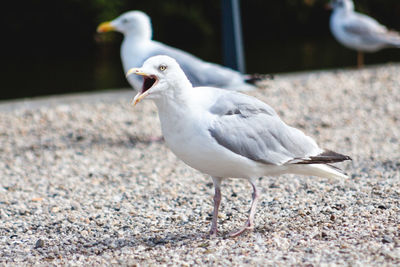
[{"x": 92, "y": 245}]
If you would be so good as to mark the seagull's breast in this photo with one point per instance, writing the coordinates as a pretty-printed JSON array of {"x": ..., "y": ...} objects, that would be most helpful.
[
  {"x": 337, "y": 24},
  {"x": 133, "y": 54}
]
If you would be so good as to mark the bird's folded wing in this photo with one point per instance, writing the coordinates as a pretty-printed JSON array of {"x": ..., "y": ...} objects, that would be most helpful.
[
  {"x": 365, "y": 27},
  {"x": 251, "y": 128}
]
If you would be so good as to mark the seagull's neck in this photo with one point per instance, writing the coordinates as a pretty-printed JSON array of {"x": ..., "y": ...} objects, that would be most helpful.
[
  {"x": 341, "y": 14},
  {"x": 143, "y": 33},
  {"x": 137, "y": 38},
  {"x": 172, "y": 111},
  {"x": 348, "y": 8},
  {"x": 177, "y": 99}
]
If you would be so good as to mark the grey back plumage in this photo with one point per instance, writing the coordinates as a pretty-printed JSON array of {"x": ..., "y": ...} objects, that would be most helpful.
[
  {"x": 252, "y": 129},
  {"x": 371, "y": 31}
]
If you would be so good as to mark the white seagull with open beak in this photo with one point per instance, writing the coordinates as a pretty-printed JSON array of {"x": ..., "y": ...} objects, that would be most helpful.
[{"x": 227, "y": 134}]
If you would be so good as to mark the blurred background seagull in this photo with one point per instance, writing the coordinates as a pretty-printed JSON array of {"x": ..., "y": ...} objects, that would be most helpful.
[
  {"x": 358, "y": 31},
  {"x": 138, "y": 45},
  {"x": 228, "y": 134}
]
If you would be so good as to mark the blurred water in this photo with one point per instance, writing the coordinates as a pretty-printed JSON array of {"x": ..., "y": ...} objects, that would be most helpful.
[{"x": 100, "y": 68}]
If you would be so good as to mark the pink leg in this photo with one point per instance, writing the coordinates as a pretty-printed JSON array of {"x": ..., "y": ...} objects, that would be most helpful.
[
  {"x": 217, "y": 201},
  {"x": 250, "y": 221}
]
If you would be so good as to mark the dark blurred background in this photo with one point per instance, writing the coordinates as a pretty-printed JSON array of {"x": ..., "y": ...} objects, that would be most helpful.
[{"x": 51, "y": 47}]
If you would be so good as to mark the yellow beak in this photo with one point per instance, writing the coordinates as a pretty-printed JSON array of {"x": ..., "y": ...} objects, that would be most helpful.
[
  {"x": 139, "y": 96},
  {"x": 105, "y": 27},
  {"x": 136, "y": 71}
]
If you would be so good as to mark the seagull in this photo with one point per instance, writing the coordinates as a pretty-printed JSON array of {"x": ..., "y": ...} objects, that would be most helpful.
[
  {"x": 358, "y": 31},
  {"x": 138, "y": 45},
  {"x": 226, "y": 134}
]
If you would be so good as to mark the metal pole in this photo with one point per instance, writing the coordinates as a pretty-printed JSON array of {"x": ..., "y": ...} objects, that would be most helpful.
[{"x": 232, "y": 35}]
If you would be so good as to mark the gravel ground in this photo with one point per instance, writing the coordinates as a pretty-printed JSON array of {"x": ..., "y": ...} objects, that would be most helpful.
[{"x": 83, "y": 184}]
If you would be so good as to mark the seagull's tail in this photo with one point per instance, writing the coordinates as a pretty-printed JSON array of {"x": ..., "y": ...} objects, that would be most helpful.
[
  {"x": 255, "y": 78},
  {"x": 319, "y": 165},
  {"x": 393, "y": 39},
  {"x": 320, "y": 170},
  {"x": 395, "y": 43}
]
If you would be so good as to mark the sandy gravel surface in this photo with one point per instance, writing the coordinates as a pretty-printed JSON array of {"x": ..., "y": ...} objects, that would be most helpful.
[{"x": 81, "y": 183}]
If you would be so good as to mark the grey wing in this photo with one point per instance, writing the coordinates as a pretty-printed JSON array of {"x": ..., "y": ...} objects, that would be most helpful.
[
  {"x": 363, "y": 25},
  {"x": 368, "y": 29},
  {"x": 199, "y": 72},
  {"x": 252, "y": 129}
]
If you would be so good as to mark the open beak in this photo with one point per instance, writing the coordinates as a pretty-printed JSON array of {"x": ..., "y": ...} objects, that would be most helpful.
[
  {"x": 138, "y": 98},
  {"x": 148, "y": 82},
  {"x": 105, "y": 27}
]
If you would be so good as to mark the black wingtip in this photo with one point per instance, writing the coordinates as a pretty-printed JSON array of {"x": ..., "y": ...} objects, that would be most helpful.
[
  {"x": 327, "y": 156},
  {"x": 255, "y": 78},
  {"x": 334, "y": 155}
]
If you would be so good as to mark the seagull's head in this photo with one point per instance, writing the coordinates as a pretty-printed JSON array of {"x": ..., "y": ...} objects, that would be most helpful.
[
  {"x": 135, "y": 23},
  {"x": 162, "y": 76},
  {"x": 341, "y": 5}
]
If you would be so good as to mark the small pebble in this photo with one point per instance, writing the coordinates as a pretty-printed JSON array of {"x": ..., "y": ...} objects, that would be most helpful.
[{"x": 39, "y": 243}]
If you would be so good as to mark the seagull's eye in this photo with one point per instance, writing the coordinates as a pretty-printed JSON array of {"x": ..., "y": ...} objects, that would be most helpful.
[
  {"x": 162, "y": 67},
  {"x": 124, "y": 21}
]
